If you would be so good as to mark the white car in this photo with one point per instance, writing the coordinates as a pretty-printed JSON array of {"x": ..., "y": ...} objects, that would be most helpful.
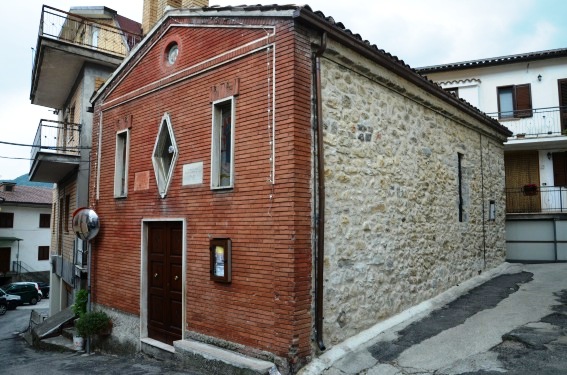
[{"x": 12, "y": 300}]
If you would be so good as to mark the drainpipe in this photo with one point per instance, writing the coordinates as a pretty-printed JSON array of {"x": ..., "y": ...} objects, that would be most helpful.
[
  {"x": 483, "y": 209},
  {"x": 320, "y": 254}
]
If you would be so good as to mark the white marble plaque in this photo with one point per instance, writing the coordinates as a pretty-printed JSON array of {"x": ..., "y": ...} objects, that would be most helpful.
[{"x": 193, "y": 173}]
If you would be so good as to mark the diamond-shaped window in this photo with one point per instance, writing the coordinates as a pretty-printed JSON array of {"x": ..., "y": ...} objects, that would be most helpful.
[{"x": 164, "y": 155}]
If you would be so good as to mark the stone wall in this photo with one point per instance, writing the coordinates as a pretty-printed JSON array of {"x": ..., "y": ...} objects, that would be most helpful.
[
  {"x": 125, "y": 334},
  {"x": 392, "y": 234}
]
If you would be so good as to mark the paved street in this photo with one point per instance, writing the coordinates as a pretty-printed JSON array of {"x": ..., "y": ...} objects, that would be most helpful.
[
  {"x": 17, "y": 357},
  {"x": 514, "y": 323}
]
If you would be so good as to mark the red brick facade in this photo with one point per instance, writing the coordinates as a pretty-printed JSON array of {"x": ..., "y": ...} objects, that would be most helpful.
[{"x": 267, "y": 306}]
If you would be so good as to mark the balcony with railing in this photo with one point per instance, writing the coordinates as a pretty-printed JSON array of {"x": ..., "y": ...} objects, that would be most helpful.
[
  {"x": 534, "y": 123},
  {"x": 66, "y": 42},
  {"x": 75, "y": 29},
  {"x": 534, "y": 199},
  {"x": 56, "y": 150}
]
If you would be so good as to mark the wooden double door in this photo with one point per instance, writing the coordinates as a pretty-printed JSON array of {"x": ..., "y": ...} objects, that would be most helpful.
[{"x": 165, "y": 285}]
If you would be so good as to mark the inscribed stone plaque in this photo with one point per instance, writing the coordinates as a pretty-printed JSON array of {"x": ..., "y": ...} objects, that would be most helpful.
[{"x": 193, "y": 173}]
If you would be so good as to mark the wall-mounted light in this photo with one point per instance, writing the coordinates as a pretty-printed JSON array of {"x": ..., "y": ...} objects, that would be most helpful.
[
  {"x": 539, "y": 77},
  {"x": 549, "y": 155}
]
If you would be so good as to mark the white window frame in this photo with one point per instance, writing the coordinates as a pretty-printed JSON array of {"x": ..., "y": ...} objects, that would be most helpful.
[
  {"x": 121, "y": 163},
  {"x": 216, "y": 143},
  {"x": 163, "y": 177}
]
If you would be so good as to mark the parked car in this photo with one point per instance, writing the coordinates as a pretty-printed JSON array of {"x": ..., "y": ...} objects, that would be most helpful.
[
  {"x": 27, "y": 291},
  {"x": 36, "y": 285},
  {"x": 44, "y": 288},
  {"x": 12, "y": 300}
]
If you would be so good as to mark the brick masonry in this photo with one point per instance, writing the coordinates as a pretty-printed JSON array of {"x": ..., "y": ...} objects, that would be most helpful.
[{"x": 267, "y": 306}]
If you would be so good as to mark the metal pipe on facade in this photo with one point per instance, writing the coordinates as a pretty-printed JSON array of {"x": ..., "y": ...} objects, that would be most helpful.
[{"x": 320, "y": 254}]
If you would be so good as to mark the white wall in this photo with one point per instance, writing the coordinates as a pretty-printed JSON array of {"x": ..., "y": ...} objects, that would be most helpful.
[
  {"x": 26, "y": 227},
  {"x": 545, "y": 93}
]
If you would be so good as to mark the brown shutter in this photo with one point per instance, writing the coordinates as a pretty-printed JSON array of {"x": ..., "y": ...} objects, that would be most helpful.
[
  {"x": 522, "y": 168},
  {"x": 560, "y": 168},
  {"x": 563, "y": 102},
  {"x": 523, "y": 100}
]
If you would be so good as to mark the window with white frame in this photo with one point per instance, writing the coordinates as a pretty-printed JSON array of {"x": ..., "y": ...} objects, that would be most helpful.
[
  {"x": 164, "y": 155},
  {"x": 121, "y": 164},
  {"x": 222, "y": 148}
]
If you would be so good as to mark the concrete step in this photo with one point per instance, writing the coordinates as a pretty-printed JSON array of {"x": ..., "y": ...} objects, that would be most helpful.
[
  {"x": 57, "y": 343},
  {"x": 210, "y": 359},
  {"x": 68, "y": 333}
]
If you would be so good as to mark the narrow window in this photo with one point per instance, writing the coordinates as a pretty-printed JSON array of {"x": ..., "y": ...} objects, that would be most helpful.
[
  {"x": 222, "y": 148},
  {"x": 66, "y": 210},
  {"x": 44, "y": 220},
  {"x": 121, "y": 164},
  {"x": 460, "y": 184},
  {"x": 6, "y": 219},
  {"x": 60, "y": 221},
  {"x": 514, "y": 101},
  {"x": 95, "y": 36},
  {"x": 43, "y": 253}
]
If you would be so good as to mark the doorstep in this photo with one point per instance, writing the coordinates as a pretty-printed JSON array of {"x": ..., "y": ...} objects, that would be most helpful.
[
  {"x": 207, "y": 359},
  {"x": 214, "y": 360}
]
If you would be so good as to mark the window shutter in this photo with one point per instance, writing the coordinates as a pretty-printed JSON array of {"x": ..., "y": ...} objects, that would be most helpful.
[
  {"x": 560, "y": 168},
  {"x": 523, "y": 101},
  {"x": 563, "y": 102},
  {"x": 522, "y": 167}
]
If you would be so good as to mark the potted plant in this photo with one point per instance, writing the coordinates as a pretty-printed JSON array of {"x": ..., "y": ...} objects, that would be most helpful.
[
  {"x": 79, "y": 308},
  {"x": 530, "y": 189}
]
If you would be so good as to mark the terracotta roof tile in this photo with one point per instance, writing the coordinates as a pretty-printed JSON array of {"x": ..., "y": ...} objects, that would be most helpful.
[{"x": 28, "y": 194}]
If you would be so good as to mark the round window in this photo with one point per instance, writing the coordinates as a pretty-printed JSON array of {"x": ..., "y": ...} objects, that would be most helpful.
[{"x": 172, "y": 53}]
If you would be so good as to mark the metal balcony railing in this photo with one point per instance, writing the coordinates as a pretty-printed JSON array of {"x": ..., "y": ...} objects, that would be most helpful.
[
  {"x": 72, "y": 28},
  {"x": 536, "y": 122},
  {"x": 56, "y": 137},
  {"x": 536, "y": 199}
]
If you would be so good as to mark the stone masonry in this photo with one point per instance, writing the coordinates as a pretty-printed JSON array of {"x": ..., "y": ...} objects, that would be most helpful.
[{"x": 393, "y": 236}]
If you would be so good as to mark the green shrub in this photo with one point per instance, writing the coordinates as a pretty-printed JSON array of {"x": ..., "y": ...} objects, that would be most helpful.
[
  {"x": 93, "y": 323},
  {"x": 80, "y": 305}
]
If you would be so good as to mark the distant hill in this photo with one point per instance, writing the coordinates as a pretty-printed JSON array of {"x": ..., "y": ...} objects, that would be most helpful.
[{"x": 24, "y": 180}]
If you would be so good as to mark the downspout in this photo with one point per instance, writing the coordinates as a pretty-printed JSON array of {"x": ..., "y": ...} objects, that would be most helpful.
[
  {"x": 320, "y": 254},
  {"x": 483, "y": 209}
]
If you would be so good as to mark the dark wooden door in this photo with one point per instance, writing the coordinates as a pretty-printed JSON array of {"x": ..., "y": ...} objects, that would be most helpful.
[
  {"x": 5, "y": 259},
  {"x": 165, "y": 281}
]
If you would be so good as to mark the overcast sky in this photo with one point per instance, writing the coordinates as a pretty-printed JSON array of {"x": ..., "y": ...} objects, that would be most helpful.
[{"x": 420, "y": 32}]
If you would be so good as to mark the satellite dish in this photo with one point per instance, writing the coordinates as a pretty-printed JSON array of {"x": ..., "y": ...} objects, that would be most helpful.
[{"x": 85, "y": 223}]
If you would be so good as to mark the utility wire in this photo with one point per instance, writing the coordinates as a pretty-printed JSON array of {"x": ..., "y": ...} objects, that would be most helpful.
[
  {"x": 47, "y": 147},
  {"x": 14, "y": 158}
]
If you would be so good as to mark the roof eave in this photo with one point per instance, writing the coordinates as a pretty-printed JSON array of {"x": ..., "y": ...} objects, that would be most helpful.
[{"x": 398, "y": 68}]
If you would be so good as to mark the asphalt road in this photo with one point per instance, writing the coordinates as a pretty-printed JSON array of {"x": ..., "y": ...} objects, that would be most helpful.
[
  {"x": 17, "y": 357},
  {"x": 515, "y": 324}
]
